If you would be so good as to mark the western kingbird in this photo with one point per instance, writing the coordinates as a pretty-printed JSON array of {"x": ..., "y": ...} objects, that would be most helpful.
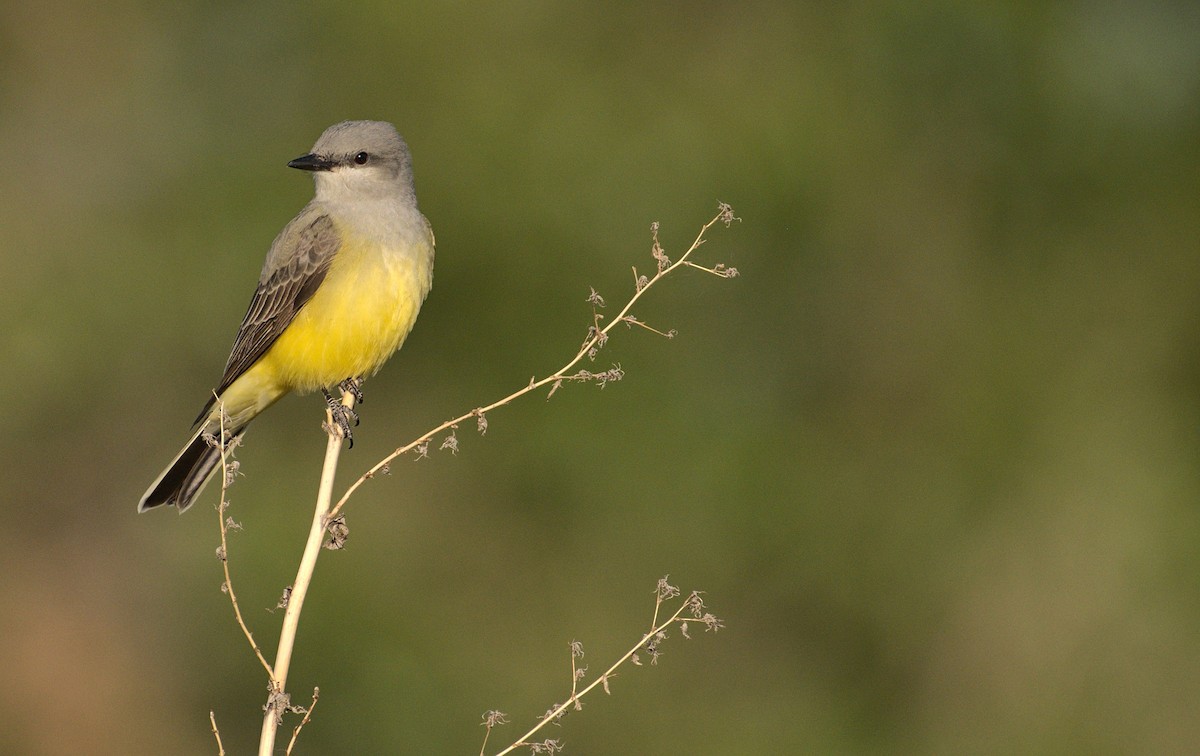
[{"x": 338, "y": 294}]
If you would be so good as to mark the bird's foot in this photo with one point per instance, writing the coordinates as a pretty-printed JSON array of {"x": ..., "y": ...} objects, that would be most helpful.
[
  {"x": 353, "y": 386},
  {"x": 342, "y": 415}
]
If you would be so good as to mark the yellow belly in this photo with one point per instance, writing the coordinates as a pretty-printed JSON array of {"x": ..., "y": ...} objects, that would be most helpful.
[{"x": 359, "y": 317}]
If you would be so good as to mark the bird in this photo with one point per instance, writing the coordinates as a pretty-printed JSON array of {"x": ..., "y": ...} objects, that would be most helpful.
[{"x": 339, "y": 293}]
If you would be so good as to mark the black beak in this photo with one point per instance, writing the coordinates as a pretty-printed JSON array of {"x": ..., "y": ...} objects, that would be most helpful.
[{"x": 312, "y": 162}]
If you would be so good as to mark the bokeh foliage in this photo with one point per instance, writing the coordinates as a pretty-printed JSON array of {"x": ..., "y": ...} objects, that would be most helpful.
[{"x": 933, "y": 456}]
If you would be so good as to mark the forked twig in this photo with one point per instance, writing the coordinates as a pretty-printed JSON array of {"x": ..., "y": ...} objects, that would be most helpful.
[
  {"x": 650, "y": 642},
  {"x": 597, "y": 337}
]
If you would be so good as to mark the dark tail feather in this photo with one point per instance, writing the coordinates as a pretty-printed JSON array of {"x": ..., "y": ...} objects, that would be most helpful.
[{"x": 186, "y": 476}]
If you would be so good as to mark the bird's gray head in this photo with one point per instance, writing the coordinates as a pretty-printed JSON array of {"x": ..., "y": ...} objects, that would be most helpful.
[{"x": 359, "y": 158}]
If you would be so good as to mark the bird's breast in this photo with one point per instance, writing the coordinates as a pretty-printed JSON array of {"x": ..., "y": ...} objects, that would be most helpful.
[{"x": 360, "y": 314}]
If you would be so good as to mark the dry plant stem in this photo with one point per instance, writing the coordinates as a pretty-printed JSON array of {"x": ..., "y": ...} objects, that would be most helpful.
[
  {"x": 212, "y": 718},
  {"x": 308, "y": 563},
  {"x": 307, "y": 716},
  {"x": 558, "y": 711},
  {"x": 221, "y": 509},
  {"x": 598, "y": 336}
]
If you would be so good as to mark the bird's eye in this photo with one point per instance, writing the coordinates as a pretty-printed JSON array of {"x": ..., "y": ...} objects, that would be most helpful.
[{"x": 361, "y": 158}]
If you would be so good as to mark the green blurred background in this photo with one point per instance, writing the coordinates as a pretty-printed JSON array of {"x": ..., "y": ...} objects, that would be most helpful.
[{"x": 934, "y": 457}]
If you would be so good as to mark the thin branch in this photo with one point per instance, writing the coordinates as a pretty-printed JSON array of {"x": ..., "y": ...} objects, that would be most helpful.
[
  {"x": 597, "y": 338},
  {"x": 490, "y": 720},
  {"x": 307, "y": 716},
  {"x": 632, "y": 321},
  {"x": 718, "y": 270},
  {"x": 222, "y": 506},
  {"x": 277, "y": 699},
  {"x": 212, "y": 718},
  {"x": 576, "y": 673},
  {"x": 693, "y": 604}
]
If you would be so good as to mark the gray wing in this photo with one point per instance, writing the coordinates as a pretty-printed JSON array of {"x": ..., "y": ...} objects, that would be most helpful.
[{"x": 295, "y": 268}]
